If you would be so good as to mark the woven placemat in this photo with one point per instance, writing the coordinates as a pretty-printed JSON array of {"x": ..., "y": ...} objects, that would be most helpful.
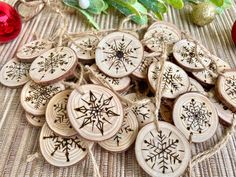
[{"x": 18, "y": 139}]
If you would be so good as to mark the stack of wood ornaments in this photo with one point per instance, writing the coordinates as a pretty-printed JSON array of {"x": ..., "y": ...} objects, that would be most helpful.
[{"x": 103, "y": 89}]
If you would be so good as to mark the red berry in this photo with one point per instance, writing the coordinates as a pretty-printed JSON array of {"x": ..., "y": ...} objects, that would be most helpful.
[
  {"x": 233, "y": 32},
  {"x": 10, "y": 23}
]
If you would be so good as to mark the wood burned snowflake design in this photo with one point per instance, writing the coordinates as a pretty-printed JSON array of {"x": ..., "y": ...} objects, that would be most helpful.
[
  {"x": 33, "y": 49},
  {"x": 206, "y": 77},
  {"x": 56, "y": 114},
  {"x": 226, "y": 89},
  {"x": 175, "y": 81},
  {"x": 36, "y": 121},
  {"x": 14, "y": 73},
  {"x": 162, "y": 153},
  {"x": 62, "y": 151},
  {"x": 195, "y": 114},
  {"x": 53, "y": 65},
  {"x": 142, "y": 70},
  {"x": 125, "y": 137},
  {"x": 119, "y": 54},
  {"x": 34, "y": 97},
  {"x": 185, "y": 54},
  {"x": 85, "y": 47},
  {"x": 97, "y": 114},
  {"x": 157, "y": 36},
  {"x": 117, "y": 84}
]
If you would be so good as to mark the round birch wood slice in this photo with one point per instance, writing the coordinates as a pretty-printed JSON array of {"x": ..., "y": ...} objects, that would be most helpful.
[
  {"x": 85, "y": 47},
  {"x": 118, "y": 54},
  {"x": 195, "y": 114},
  {"x": 62, "y": 151},
  {"x": 144, "y": 112},
  {"x": 95, "y": 112},
  {"x": 56, "y": 115},
  {"x": 160, "y": 33},
  {"x": 34, "y": 97},
  {"x": 226, "y": 89},
  {"x": 14, "y": 73},
  {"x": 163, "y": 153},
  {"x": 54, "y": 65},
  {"x": 125, "y": 137},
  {"x": 207, "y": 78},
  {"x": 37, "y": 121},
  {"x": 28, "y": 52},
  {"x": 185, "y": 55},
  {"x": 118, "y": 84},
  {"x": 175, "y": 80}
]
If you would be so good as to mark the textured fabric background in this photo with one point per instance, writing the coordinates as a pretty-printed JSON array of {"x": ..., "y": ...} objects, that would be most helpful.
[{"x": 18, "y": 139}]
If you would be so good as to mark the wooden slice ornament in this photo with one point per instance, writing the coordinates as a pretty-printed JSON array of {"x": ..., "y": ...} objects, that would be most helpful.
[
  {"x": 56, "y": 115},
  {"x": 163, "y": 153},
  {"x": 53, "y": 65},
  {"x": 195, "y": 114},
  {"x": 29, "y": 10},
  {"x": 225, "y": 114},
  {"x": 118, "y": 54},
  {"x": 14, "y": 73},
  {"x": 226, "y": 89},
  {"x": 34, "y": 97},
  {"x": 33, "y": 49},
  {"x": 144, "y": 112},
  {"x": 85, "y": 47},
  {"x": 194, "y": 86},
  {"x": 164, "y": 25},
  {"x": 62, "y": 151},
  {"x": 185, "y": 54},
  {"x": 207, "y": 78},
  {"x": 160, "y": 33},
  {"x": 175, "y": 81},
  {"x": 37, "y": 121},
  {"x": 125, "y": 137},
  {"x": 118, "y": 84},
  {"x": 95, "y": 112},
  {"x": 142, "y": 70}
]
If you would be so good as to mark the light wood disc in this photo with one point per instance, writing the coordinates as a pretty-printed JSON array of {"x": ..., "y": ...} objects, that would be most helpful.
[
  {"x": 36, "y": 121},
  {"x": 95, "y": 112},
  {"x": 118, "y": 54},
  {"x": 195, "y": 114},
  {"x": 164, "y": 153},
  {"x": 62, "y": 151},
  {"x": 14, "y": 73}
]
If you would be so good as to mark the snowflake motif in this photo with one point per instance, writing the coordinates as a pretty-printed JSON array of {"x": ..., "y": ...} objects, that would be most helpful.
[
  {"x": 196, "y": 116},
  {"x": 145, "y": 63},
  {"x": 89, "y": 43},
  {"x": 231, "y": 87},
  {"x": 189, "y": 55},
  {"x": 61, "y": 114},
  {"x": 158, "y": 38},
  {"x": 119, "y": 54},
  {"x": 36, "y": 118},
  {"x": 52, "y": 62},
  {"x": 96, "y": 111},
  {"x": 40, "y": 95},
  {"x": 38, "y": 46},
  {"x": 17, "y": 70},
  {"x": 162, "y": 151},
  {"x": 171, "y": 81},
  {"x": 142, "y": 112},
  {"x": 114, "y": 81},
  {"x": 125, "y": 129},
  {"x": 65, "y": 145}
]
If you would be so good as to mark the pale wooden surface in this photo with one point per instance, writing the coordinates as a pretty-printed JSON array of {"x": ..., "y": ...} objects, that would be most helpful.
[{"x": 18, "y": 139}]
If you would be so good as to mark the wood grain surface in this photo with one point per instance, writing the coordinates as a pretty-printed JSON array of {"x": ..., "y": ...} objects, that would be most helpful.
[{"x": 19, "y": 139}]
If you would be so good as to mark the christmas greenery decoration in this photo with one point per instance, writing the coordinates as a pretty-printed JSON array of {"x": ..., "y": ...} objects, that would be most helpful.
[{"x": 139, "y": 8}]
